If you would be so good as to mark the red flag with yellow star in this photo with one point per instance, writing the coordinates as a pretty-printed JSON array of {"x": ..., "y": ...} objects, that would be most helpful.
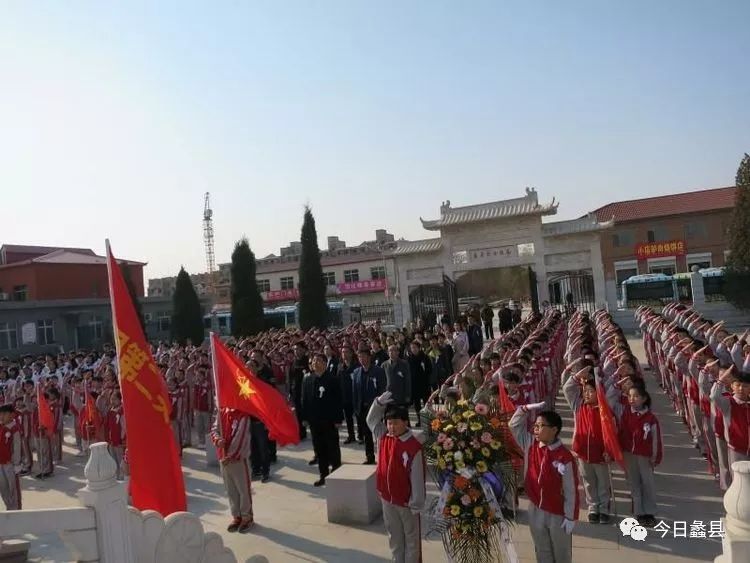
[
  {"x": 239, "y": 388},
  {"x": 155, "y": 471}
]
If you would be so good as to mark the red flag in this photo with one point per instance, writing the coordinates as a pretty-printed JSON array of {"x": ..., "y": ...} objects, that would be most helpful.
[
  {"x": 91, "y": 414},
  {"x": 609, "y": 425},
  {"x": 506, "y": 405},
  {"x": 239, "y": 388},
  {"x": 46, "y": 418},
  {"x": 156, "y": 481}
]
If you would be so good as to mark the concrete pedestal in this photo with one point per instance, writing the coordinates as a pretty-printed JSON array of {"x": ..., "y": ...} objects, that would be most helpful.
[
  {"x": 351, "y": 497},
  {"x": 14, "y": 551}
]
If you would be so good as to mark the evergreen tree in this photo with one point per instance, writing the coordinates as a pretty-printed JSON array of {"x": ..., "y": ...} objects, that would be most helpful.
[
  {"x": 737, "y": 275},
  {"x": 247, "y": 304},
  {"x": 187, "y": 315},
  {"x": 128, "y": 278},
  {"x": 313, "y": 309}
]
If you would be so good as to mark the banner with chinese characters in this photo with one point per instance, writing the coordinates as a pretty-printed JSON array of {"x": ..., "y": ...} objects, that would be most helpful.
[
  {"x": 282, "y": 295},
  {"x": 367, "y": 286},
  {"x": 156, "y": 481},
  {"x": 647, "y": 250}
]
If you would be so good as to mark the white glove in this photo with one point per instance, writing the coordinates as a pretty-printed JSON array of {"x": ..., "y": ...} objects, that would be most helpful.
[
  {"x": 534, "y": 406},
  {"x": 567, "y": 525},
  {"x": 385, "y": 398}
]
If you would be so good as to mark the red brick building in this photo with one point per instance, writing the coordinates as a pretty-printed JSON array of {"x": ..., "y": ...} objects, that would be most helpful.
[
  {"x": 42, "y": 273},
  {"x": 665, "y": 234}
]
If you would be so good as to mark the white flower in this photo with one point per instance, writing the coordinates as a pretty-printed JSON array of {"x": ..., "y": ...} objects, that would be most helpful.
[
  {"x": 458, "y": 456},
  {"x": 560, "y": 466}
]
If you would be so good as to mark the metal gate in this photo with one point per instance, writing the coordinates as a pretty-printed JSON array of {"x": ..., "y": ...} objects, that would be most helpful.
[
  {"x": 430, "y": 302},
  {"x": 572, "y": 291}
]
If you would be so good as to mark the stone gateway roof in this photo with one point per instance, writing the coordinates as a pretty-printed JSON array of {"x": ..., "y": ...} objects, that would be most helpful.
[
  {"x": 417, "y": 246},
  {"x": 518, "y": 207}
]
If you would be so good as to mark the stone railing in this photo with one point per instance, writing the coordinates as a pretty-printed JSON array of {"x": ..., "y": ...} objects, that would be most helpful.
[
  {"x": 104, "y": 529},
  {"x": 736, "y": 542}
]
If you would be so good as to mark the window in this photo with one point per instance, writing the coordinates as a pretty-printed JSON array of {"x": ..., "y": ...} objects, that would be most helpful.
[
  {"x": 351, "y": 275},
  {"x": 45, "y": 331},
  {"x": 263, "y": 285},
  {"x": 163, "y": 322},
  {"x": 526, "y": 249},
  {"x": 702, "y": 260},
  {"x": 377, "y": 273},
  {"x": 97, "y": 327},
  {"x": 695, "y": 229},
  {"x": 623, "y": 239},
  {"x": 20, "y": 293},
  {"x": 330, "y": 278},
  {"x": 666, "y": 266},
  {"x": 8, "y": 336},
  {"x": 287, "y": 282},
  {"x": 657, "y": 234}
]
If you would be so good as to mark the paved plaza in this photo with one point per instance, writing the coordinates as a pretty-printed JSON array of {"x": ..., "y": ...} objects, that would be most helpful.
[{"x": 291, "y": 522}]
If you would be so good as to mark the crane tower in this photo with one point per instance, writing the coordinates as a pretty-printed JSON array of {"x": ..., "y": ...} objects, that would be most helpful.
[{"x": 208, "y": 234}]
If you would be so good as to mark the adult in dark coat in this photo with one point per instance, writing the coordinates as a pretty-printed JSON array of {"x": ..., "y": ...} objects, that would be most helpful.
[
  {"x": 323, "y": 410},
  {"x": 420, "y": 368},
  {"x": 505, "y": 317},
  {"x": 474, "y": 334},
  {"x": 369, "y": 383},
  {"x": 347, "y": 366},
  {"x": 300, "y": 366},
  {"x": 398, "y": 379}
]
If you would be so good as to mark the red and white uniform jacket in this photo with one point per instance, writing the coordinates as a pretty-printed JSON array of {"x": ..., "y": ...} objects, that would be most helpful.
[
  {"x": 115, "y": 427},
  {"x": 234, "y": 428},
  {"x": 202, "y": 401},
  {"x": 588, "y": 440},
  {"x": 10, "y": 444},
  {"x": 736, "y": 413},
  {"x": 551, "y": 474},
  {"x": 640, "y": 433}
]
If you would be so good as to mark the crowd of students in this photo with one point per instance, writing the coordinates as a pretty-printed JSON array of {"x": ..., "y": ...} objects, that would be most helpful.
[
  {"x": 339, "y": 377},
  {"x": 705, "y": 371}
]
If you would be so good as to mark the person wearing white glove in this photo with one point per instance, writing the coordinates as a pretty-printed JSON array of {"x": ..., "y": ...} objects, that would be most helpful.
[
  {"x": 551, "y": 483},
  {"x": 400, "y": 477},
  {"x": 10, "y": 458}
]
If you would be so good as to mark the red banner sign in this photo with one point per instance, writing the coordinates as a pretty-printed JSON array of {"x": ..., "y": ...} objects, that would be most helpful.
[
  {"x": 368, "y": 286},
  {"x": 646, "y": 250},
  {"x": 282, "y": 295}
]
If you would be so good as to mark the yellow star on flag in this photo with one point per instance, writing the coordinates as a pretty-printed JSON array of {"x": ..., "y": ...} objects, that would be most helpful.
[{"x": 244, "y": 383}]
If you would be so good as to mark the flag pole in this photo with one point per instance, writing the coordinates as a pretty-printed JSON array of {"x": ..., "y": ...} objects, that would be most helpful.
[
  {"x": 108, "y": 252},
  {"x": 216, "y": 383}
]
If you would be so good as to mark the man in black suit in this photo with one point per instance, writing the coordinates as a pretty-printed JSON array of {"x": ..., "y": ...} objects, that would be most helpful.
[
  {"x": 369, "y": 383},
  {"x": 300, "y": 366},
  {"x": 347, "y": 366},
  {"x": 323, "y": 410}
]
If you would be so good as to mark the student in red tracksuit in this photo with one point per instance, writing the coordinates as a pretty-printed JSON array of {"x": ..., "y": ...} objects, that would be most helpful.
[
  {"x": 202, "y": 405},
  {"x": 588, "y": 445},
  {"x": 551, "y": 484},
  {"x": 641, "y": 443},
  {"x": 10, "y": 458},
  {"x": 115, "y": 429},
  {"x": 56, "y": 434},
  {"x": 231, "y": 436},
  {"x": 735, "y": 410},
  {"x": 400, "y": 477}
]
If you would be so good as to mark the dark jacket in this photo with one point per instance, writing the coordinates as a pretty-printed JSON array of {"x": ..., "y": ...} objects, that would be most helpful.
[
  {"x": 367, "y": 386},
  {"x": 332, "y": 366},
  {"x": 296, "y": 375},
  {"x": 321, "y": 399},
  {"x": 474, "y": 333},
  {"x": 398, "y": 380},
  {"x": 346, "y": 380},
  {"x": 505, "y": 319},
  {"x": 420, "y": 368},
  {"x": 487, "y": 314},
  {"x": 379, "y": 357}
]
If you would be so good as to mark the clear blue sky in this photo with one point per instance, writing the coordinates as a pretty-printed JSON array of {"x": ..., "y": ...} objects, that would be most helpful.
[{"x": 115, "y": 120}]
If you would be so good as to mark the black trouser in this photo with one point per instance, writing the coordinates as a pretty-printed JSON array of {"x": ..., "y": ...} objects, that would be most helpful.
[
  {"x": 325, "y": 439},
  {"x": 488, "y": 331},
  {"x": 298, "y": 413},
  {"x": 366, "y": 433},
  {"x": 260, "y": 453},
  {"x": 272, "y": 449},
  {"x": 349, "y": 417},
  {"x": 417, "y": 401}
]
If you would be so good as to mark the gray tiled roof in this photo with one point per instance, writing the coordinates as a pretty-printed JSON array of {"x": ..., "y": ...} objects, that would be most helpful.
[
  {"x": 488, "y": 211},
  {"x": 584, "y": 224},
  {"x": 417, "y": 246}
]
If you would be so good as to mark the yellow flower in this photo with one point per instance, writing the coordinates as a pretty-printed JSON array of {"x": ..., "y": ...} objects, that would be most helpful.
[
  {"x": 495, "y": 445},
  {"x": 478, "y": 511},
  {"x": 465, "y": 528},
  {"x": 462, "y": 403},
  {"x": 475, "y": 427},
  {"x": 486, "y": 452},
  {"x": 460, "y": 465},
  {"x": 481, "y": 467},
  {"x": 455, "y": 510},
  {"x": 436, "y": 447},
  {"x": 456, "y": 418},
  {"x": 469, "y": 454},
  {"x": 441, "y": 463},
  {"x": 448, "y": 455},
  {"x": 448, "y": 428},
  {"x": 469, "y": 414}
]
